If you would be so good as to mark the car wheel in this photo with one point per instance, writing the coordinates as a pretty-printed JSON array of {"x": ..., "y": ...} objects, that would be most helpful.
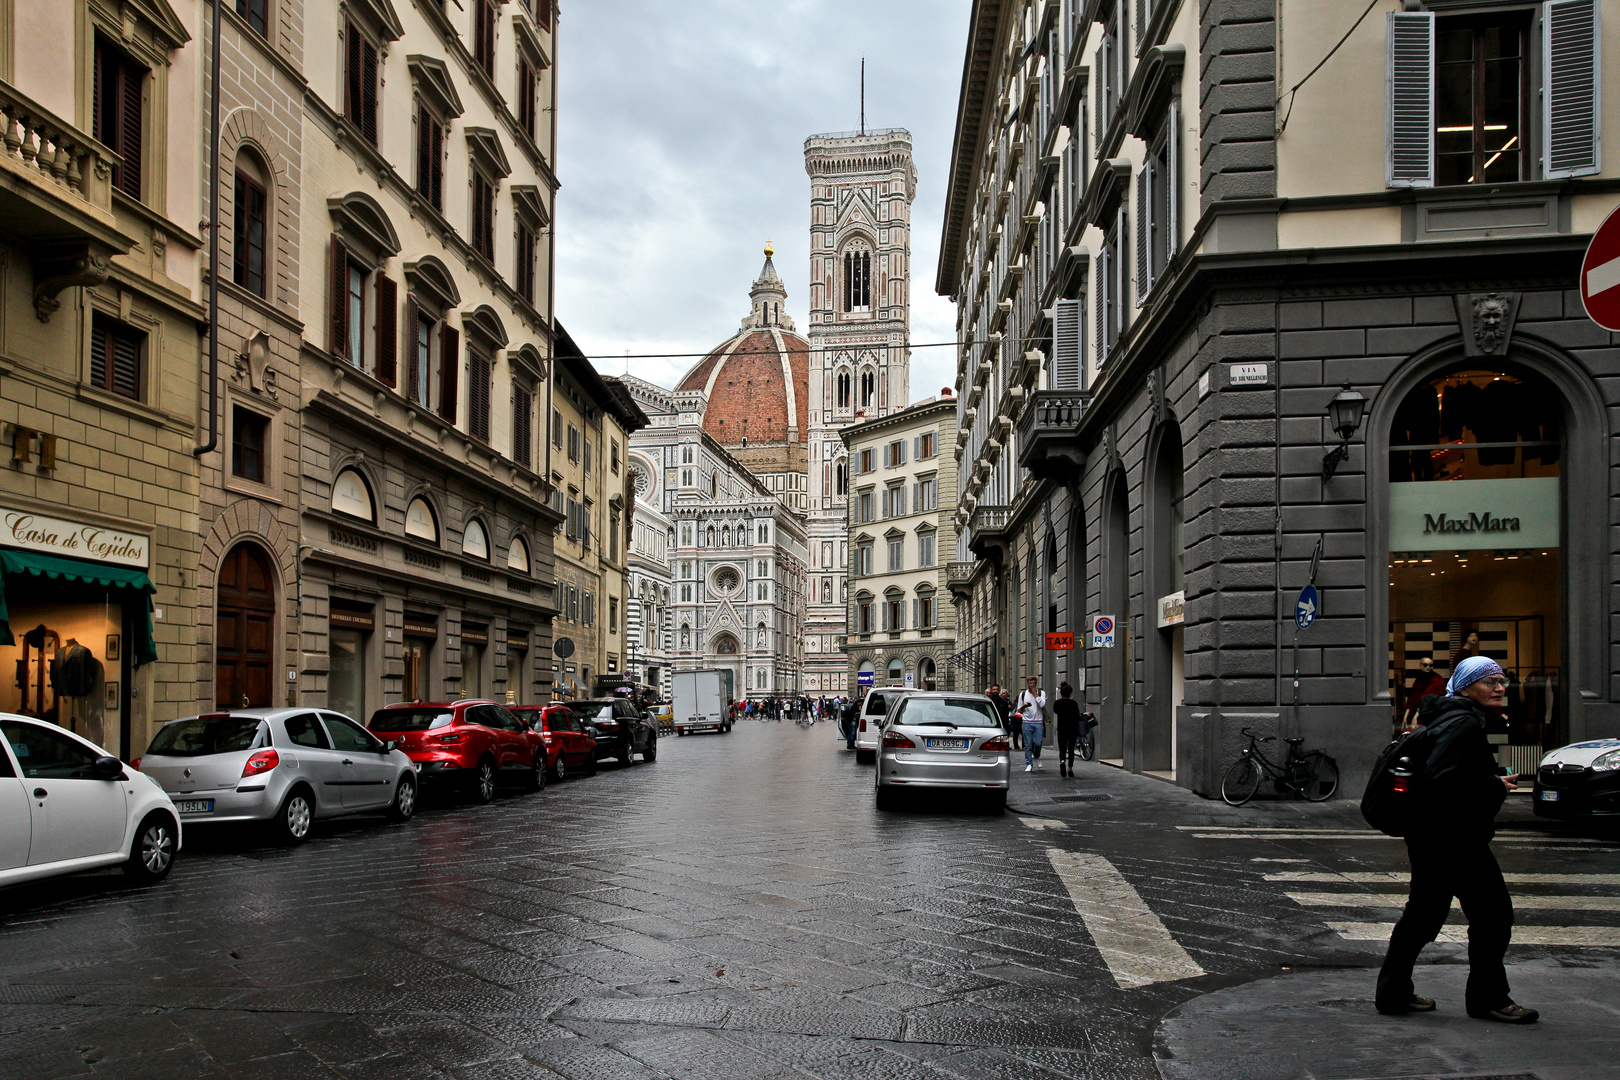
[
  {"x": 537, "y": 778},
  {"x": 627, "y": 753},
  {"x": 297, "y": 815},
  {"x": 484, "y": 781},
  {"x": 151, "y": 856},
  {"x": 559, "y": 771},
  {"x": 651, "y": 753},
  {"x": 680, "y": 731},
  {"x": 887, "y": 798},
  {"x": 404, "y": 804},
  {"x": 865, "y": 757}
]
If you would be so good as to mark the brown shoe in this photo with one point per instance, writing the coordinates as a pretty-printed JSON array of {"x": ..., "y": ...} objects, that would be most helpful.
[
  {"x": 1417, "y": 1004},
  {"x": 1509, "y": 1014}
]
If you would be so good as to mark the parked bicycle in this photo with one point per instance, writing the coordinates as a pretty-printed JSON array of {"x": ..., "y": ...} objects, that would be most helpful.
[
  {"x": 1313, "y": 775},
  {"x": 1088, "y": 740}
]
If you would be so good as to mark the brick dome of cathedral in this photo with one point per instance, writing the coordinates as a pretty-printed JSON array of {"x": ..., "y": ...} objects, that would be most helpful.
[{"x": 757, "y": 382}]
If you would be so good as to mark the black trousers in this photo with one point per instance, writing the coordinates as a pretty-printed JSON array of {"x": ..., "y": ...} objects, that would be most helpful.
[
  {"x": 1068, "y": 739},
  {"x": 1442, "y": 869}
]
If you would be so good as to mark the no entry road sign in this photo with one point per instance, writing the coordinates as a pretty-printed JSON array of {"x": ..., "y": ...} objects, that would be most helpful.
[{"x": 1600, "y": 274}]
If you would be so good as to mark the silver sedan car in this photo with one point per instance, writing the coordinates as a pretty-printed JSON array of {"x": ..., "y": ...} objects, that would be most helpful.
[
  {"x": 943, "y": 740},
  {"x": 286, "y": 767}
]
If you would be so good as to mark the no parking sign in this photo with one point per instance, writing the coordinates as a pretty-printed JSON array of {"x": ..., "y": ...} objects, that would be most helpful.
[{"x": 1102, "y": 631}]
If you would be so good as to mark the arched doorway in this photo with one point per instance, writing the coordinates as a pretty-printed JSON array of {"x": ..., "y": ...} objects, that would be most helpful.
[
  {"x": 1476, "y": 565},
  {"x": 927, "y": 674},
  {"x": 244, "y": 629},
  {"x": 1115, "y": 598},
  {"x": 1166, "y": 567}
]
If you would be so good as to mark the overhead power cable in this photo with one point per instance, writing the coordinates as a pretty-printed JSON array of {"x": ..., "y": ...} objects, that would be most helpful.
[{"x": 1295, "y": 88}]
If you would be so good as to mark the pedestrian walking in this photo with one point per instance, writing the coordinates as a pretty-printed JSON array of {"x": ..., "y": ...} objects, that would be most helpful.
[
  {"x": 1031, "y": 710},
  {"x": 848, "y": 719},
  {"x": 1003, "y": 711},
  {"x": 1460, "y": 791},
  {"x": 1067, "y": 711}
]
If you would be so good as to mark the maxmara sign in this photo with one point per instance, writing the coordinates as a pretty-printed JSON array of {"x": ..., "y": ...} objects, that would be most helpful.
[
  {"x": 35, "y": 532},
  {"x": 1449, "y": 515}
]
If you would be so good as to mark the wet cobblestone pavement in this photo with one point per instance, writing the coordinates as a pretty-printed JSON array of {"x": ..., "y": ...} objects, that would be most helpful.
[{"x": 738, "y": 910}]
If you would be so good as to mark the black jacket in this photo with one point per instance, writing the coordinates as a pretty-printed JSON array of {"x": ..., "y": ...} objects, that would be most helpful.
[
  {"x": 1003, "y": 708},
  {"x": 1462, "y": 785}
]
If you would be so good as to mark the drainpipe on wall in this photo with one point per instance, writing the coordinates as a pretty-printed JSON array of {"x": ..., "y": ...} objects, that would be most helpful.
[{"x": 213, "y": 243}]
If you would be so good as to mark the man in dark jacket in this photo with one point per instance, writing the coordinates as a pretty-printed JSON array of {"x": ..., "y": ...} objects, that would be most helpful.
[{"x": 1450, "y": 850}]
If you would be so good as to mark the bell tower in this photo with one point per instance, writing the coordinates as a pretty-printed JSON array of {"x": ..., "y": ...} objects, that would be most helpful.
[{"x": 862, "y": 184}]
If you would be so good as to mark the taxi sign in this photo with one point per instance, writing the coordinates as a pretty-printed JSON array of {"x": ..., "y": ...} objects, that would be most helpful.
[
  {"x": 1600, "y": 274},
  {"x": 1059, "y": 642}
]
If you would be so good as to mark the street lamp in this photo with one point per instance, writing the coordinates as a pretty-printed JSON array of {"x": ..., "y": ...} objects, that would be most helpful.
[{"x": 1345, "y": 411}]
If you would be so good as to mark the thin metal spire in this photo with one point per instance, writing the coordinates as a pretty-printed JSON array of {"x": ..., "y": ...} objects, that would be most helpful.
[{"x": 863, "y": 95}]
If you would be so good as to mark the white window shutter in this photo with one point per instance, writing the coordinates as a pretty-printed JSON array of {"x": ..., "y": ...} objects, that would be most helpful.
[
  {"x": 1172, "y": 182},
  {"x": 1144, "y": 273},
  {"x": 1100, "y": 281},
  {"x": 1411, "y": 99},
  {"x": 886, "y": 461},
  {"x": 1067, "y": 357},
  {"x": 1570, "y": 105},
  {"x": 914, "y": 623},
  {"x": 916, "y": 446}
]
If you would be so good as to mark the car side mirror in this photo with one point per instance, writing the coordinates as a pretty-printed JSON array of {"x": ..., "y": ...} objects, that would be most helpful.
[
  {"x": 390, "y": 746},
  {"x": 107, "y": 768}
]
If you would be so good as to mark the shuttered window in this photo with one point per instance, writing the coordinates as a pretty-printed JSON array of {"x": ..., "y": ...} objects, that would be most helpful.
[
  {"x": 483, "y": 13},
  {"x": 419, "y": 370},
  {"x": 1144, "y": 230},
  {"x": 429, "y": 158},
  {"x": 1411, "y": 99},
  {"x": 119, "y": 115},
  {"x": 1571, "y": 44},
  {"x": 360, "y": 82},
  {"x": 526, "y": 87},
  {"x": 523, "y": 279},
  {"x": 387, "y": 345},
  {"x": 522, "y": 424},
  {"x": 483, "y": 215},
  {"x": 115, "y": 356},
  {"x": 449, "y": 371},
  {"x": 478, "y": 375},
  {"x": 1068, "y": 363},
  {"x": 338, "y": 297}
]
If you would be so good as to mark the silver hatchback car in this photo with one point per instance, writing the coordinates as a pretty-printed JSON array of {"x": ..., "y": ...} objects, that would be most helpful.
[
  {"x": 282, "y": 766},
  {"x": 944, "y": 740}
]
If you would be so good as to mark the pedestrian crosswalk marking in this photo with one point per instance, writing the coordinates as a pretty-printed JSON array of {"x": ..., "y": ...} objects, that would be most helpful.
[
  {"x": 1134, "y": 943},
  {"x": 1042, "y": 823},
  {"x": 1379, "y": 877},
  {"x": 1521, "y": 901},
  {"x": 1578, "y": 936}
]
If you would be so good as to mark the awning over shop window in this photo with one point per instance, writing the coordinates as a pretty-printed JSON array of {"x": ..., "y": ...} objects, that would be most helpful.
[{"x": 60, "y": 568}]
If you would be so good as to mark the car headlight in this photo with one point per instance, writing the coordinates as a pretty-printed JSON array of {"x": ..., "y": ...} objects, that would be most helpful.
[{"x": 1607, "y": 762}]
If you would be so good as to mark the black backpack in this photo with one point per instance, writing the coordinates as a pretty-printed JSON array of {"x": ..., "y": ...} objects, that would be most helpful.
[{"x": 1396, "y": 785}]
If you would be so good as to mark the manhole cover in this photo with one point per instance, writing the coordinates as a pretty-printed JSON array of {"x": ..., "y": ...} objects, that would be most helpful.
[{"x": 1080, "y": 798}]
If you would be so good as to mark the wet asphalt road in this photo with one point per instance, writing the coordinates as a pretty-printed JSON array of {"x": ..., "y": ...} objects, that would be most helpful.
[{"x": 737, "y": 910}]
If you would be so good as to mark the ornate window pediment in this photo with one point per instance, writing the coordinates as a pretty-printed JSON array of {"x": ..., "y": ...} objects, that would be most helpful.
[
  {"x": 529, "y": 205},
  {"x": 361, "y": 217},
  {"x": 379, "y": 15},
  {"x": 483, "y": 323},
  {"x": 485, "y": 147},
  {"x": 434, "y": 85},
  {"x": 1157, "y": 77},
  {"x": 432, "y": 278}
]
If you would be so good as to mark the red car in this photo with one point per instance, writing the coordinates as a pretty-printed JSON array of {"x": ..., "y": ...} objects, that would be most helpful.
[
  {"x": 570, "y": 749},
  {"x": 466, "y": 744}
]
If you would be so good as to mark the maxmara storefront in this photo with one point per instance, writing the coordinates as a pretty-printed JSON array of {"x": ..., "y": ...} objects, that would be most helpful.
[{"x": 76, "y": 626}]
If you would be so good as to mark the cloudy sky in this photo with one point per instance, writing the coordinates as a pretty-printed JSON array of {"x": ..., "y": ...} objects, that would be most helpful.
[{"x": 681, "y": 132}]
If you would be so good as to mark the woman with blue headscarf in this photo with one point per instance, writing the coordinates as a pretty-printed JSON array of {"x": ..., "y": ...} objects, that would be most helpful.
[{"x": 1460, "y": 790}]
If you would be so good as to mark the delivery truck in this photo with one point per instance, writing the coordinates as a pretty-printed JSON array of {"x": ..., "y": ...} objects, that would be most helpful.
[{"x": 702, "y": 701}]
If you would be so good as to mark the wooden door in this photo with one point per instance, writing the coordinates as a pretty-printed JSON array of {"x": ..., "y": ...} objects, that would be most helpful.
[{"x": 244, "y": 629}]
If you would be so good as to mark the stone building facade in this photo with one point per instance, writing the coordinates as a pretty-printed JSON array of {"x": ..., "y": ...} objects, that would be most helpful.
[
  {"x": 901, "y": 541},
  {"x": 99, "y": 357},
  {"x": 735, "y": 550},
  {"x": 1166, "y": 281},
  {"x": 862, "y": 184}
]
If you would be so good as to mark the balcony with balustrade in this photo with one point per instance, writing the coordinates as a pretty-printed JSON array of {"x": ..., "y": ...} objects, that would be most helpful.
[
  {"x": 1049, "y": 435},
  {"x": 988, "y": 534},
  {"x": 56, "y": 198}
]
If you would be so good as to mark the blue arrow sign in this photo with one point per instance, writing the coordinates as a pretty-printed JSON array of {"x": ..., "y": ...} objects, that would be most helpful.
[{"x": 1305, "y": 607}]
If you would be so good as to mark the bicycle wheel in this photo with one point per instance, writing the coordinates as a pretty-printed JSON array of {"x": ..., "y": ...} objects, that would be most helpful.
[
  {"x": 1317, "y": 776},
  {"x": 1241, "y": 781},
  {"x": 1088, "y": 746}
]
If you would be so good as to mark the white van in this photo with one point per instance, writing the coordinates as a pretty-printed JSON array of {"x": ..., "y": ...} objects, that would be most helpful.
[{"x": 877, "y": 703}]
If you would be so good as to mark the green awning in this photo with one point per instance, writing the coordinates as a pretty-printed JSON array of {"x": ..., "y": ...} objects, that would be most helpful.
[{"x": 62, "y": 568}]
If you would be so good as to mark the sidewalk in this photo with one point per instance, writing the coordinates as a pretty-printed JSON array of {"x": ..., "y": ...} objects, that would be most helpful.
[{"x": 1320, "y": 1025}]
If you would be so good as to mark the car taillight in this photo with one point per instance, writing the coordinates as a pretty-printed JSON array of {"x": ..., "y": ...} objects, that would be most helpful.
[
  {"x": 898, "y": 742},
  {"x": 998, "y": 743},
  {"x": 451, "y": 738},
  {"x": 545, "y": 737},
  {"x": 863, "y": 723},
  {"x": 136, "y": 764},
  {"x": 262, "y": 762}
]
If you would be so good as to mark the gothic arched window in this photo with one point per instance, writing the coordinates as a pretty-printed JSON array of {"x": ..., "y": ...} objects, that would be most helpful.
[
  {"x": 868, "y": 389},
  {"x": 843, "y": 477},
  {"x": 843, "y": 389},
  {"x": 857, "y": 280}
]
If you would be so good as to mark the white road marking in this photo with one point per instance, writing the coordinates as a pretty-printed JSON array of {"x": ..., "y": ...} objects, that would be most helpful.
[
  {"x": 1281, "y": 834},
  {"x": 1521, "y": 901},
  {"x": 1042, "y": 823},
  {"x": 1379, "y": 877},
  {"x": 1133, "y": 942},
  {"x": 1603, "y": 277},
  {"x": 1588, "y": 936}
]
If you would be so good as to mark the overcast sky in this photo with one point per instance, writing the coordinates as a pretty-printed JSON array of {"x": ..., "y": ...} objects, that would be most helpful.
[{"x": 681, "y": 150}]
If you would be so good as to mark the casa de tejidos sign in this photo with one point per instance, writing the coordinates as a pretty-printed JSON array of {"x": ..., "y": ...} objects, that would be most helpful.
[{"x": 36, "y": 532}]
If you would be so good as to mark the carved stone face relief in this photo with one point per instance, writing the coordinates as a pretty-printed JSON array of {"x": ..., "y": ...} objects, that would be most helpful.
[{"x": 1490, "y": 321}]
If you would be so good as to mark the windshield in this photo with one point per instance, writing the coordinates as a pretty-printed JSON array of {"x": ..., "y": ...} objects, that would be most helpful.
[
  {"x": 410, "y": 719},
  {"x": 592, "y": 710},
  {"x": 209, "y": 735},
  {"x": 954, "y": 712}
]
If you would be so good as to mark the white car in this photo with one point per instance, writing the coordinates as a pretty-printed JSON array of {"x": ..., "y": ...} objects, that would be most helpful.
[
  {"x": 878, "y": 701},
  {"x": 66, "y": 805}
]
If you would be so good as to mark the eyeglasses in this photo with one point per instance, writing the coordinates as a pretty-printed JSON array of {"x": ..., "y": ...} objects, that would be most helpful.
[{"x": 1497, "y": 683}]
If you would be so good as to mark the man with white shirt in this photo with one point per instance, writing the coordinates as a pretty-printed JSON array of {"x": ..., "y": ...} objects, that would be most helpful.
[{"x": 1031, "y": 710}]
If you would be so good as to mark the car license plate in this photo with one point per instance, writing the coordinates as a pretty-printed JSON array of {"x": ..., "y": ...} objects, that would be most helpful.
[
  {"x": 1549, "y": 796},
  {"x": 195, "y": 806},
  {"x": 946, "y": 744}
]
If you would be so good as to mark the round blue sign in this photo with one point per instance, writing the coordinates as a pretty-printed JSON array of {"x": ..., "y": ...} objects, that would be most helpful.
[{"x": 1305, "y": 607}]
